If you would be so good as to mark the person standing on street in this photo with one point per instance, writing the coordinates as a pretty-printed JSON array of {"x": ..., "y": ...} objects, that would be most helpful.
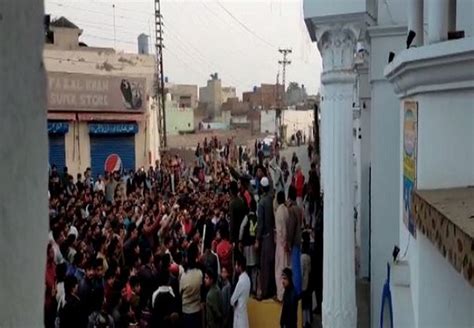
[
  {"x": 88, "y": 180},
  {"x": 294, "y": 162},
  {"x": 190, "y": 289},
  {"x": 241, "y": 152},
  {"x": 70, "y": 315},
  {"x": 294, "y": 235},
  {"x": 310, "y": 151},
  {"x": 289, "y": 311},
  {"x": 314, "y": 183},
  {"x": 282, "y": 259},
  {"x": 248, "y": 231},
  {"x": 306, "y": 296},
  {"x": 99, "y": 185},
  {"x": 265, "y": 240},
  {"x": 237, "y": 212},
  {"x": 299, "y": 185},
  {"x": 277, "y": 176},
  {"x": 226, "y": 293},
  {"x": 241, "y": 294},
  {"x": 214, "y": 311},
  {"x": 110, "y": 187},
  {"x": 164, "y": 302},
  {"x": 284, "y": 169}
]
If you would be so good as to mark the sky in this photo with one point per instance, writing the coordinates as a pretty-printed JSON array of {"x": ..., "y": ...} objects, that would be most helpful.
[{"x": 239, "y": 39}]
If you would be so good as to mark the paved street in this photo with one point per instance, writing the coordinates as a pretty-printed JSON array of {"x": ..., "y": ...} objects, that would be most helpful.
[{"x": 302, "y": 153}]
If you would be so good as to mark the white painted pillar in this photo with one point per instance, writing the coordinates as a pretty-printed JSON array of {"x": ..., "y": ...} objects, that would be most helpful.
[
  {"x": 438, "y": 12},
  {"x": 415, "y": 20},
  {"x": 452, "y": 15},
  {"x": 339, "y": 302},
  {"x": 24, "y": 165}
]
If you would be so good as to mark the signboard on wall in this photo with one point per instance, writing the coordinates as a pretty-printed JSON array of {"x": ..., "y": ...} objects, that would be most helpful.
[
  {"x": 87, "y": 92},
  {"x": 410, "y": 149}
]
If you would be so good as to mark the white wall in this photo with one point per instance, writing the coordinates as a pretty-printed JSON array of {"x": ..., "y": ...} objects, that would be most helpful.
[
  {"x": 392, "y": 12},
  {"x": 226, "y": 117},
  {"x": 441, "y": 296},
  {"x": 267, "y": 121},
  {"x": 384, "y": 188},
  {"x": 24, "y": 163},
  {"x": 214, "y": 126},
  {"x": 445, "y": 139},
  {"x": 464, "y": 19},
  {"x": 385, "y": 158},
  {"x": 178, "y": 119},
  {"x": 317, "y": 8},
  {"x": 298, "y": 120},
  {"x": 239, "y": 119},
  {"x": 142, "y": 158}
]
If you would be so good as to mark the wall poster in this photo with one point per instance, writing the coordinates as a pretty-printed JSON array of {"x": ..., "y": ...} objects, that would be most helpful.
[{"x": 410, "y": 148}]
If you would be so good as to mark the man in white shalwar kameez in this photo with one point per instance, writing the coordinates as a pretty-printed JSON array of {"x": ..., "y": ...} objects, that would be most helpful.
[
  {"x": 241, "y": 294},
  {"x": 282, "y": 255},
  {"x": 277, "y": 176}
]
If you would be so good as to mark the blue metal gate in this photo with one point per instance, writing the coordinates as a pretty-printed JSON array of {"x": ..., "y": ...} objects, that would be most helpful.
[
  {"x": 56, "y": 144},
  {"x": 112, "y": 147},
  {"x": 57, "y": 153}
]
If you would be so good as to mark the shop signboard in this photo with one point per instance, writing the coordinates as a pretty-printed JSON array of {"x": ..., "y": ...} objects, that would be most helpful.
[{"x": 88, "y": 92}]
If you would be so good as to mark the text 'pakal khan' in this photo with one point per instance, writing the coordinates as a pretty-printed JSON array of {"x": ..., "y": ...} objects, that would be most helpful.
[{"x": 78, "y": 85}]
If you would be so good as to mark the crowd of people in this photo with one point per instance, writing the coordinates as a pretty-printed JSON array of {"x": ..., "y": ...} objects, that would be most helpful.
[{"x": 183, "y": 244}]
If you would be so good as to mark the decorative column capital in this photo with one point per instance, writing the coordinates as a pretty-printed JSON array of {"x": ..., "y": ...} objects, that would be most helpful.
[
  {"x": 337, "y": 37},
  {"x": 337, "y": 46}
]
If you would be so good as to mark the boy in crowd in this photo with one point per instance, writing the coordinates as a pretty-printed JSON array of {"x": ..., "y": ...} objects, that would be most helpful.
[
  {"x": 214, "y": 311},
  {"x": 289, "y": 310}
]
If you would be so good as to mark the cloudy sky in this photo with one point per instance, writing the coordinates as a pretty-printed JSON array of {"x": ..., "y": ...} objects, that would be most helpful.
[{"x": 239, "y": 39}]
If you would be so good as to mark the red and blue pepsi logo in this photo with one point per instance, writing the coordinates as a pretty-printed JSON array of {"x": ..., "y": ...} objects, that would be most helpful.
[{"x": 113, "y": 163}]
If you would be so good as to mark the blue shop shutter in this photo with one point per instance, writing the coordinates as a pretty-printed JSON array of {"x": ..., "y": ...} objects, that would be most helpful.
[
  {"x": 57, "y": 153},
  {"x": 58, "y": 127},
  {"x": 117, "y": 150}
]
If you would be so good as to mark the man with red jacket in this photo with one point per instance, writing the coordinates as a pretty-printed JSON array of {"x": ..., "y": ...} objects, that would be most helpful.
[
  {"x": 224, "y": 249},
  {"x": 299, "y": 185}
]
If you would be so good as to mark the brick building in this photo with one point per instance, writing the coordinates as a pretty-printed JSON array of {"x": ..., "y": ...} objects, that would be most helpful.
[{"x": 266, "y": 96}]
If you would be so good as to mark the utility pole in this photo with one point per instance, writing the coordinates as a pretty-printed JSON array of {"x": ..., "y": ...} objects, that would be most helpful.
[
  {"x": 278, "y": 109},
  {"x": 285, "y": 52},
  {"x": 160, "y": 78},
  {"x": 115, "y": 35},
  {"x": 277, "y": 89}
]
